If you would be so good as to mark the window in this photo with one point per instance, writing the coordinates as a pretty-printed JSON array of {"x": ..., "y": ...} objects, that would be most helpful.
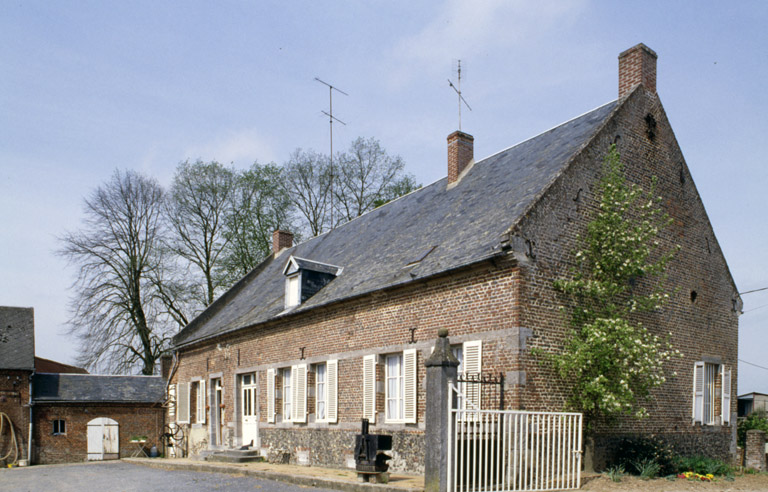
[
  {"x": 287, "y": 394},
  {"x": 711, "y": 393},
  {"x": 59, "y": 427},
  {"x": 400, "y": 387},
  {"x": 292, "y": 291},
  {"x": 394, "y": 387},
  {"x": 321, "y": 392},
  {"x": 200, "y": 402}
]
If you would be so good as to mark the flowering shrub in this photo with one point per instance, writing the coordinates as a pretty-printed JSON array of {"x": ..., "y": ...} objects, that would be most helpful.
[
  {"x": 611, "y": 360},
  {"x": 689, "y": 475}
]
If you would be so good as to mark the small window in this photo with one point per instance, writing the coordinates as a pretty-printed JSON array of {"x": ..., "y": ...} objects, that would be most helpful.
[
  {"x": 394, "y": 387},
  {"x": 292, "y": 294},
  {"x": 59, "y": 427}
]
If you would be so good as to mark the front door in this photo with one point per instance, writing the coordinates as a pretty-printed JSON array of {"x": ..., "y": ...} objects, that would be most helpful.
[{"x": 250, "y": 422}]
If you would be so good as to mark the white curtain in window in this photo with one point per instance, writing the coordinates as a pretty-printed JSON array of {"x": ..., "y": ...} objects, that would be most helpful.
[{"x": 320, "y": 392}]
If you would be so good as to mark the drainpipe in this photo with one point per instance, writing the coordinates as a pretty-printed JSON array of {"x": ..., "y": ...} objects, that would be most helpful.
[{"x": 29, "y": 438}]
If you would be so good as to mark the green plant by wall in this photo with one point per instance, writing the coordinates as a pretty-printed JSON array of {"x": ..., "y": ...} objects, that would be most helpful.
[
  {"x": 756, "y": 420},
  {"x": 611, "y": 360}
]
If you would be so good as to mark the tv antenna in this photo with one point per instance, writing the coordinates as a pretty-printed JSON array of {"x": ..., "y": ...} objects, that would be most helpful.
[
  {"x": 331, "y": 119},
  {"x": 458, "y": 91}
]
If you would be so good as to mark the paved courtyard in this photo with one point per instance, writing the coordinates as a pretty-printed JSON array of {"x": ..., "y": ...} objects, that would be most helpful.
[{"x": 120, "y": 476}]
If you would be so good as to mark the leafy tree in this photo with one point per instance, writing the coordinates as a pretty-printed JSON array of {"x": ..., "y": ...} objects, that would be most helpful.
[
  {"x": 259, "y": 207},
  {"x": 125, "y": 309},
  {"x": 612, "y": 360},
  {"x": 199, "y": 205},
  {"x": 366, "y": 177}
]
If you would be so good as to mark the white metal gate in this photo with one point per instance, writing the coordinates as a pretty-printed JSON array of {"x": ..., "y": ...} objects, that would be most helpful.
[
  {"x": 510, "y": 450},
  {"x": 103, "y": 439}
]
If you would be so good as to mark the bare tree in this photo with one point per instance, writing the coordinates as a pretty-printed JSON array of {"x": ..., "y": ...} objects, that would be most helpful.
[
  {"x": 198, "y": 207},
  {"x": 307, "y": 184},
  {"x": 259, "y": 206},
  {"x": 364, "y": 176},
  {"x": 121, "y": 311}
]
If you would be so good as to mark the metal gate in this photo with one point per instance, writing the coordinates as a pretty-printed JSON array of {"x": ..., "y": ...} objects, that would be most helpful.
[{"x": 510, "y": 450}]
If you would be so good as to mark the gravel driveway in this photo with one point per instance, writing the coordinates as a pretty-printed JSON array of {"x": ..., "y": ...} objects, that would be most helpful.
[{"x": 108, "y": 476}]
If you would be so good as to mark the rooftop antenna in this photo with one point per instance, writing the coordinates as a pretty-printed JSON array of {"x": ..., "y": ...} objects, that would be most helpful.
[
  {"x": 458, "y": 91},
  {"x": 331, "y": 119}
]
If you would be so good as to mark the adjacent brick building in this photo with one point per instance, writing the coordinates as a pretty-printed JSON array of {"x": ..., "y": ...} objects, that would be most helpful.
[
  {"x": 51, "y": 413},
  {"x": 337, "y": 328}
]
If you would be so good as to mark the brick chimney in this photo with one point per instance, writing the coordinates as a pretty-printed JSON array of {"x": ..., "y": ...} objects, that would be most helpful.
[
  {"x": 637, "y": 65},
  {"x": 460, "y": 153},
  {"x": 281, "y": 240}
]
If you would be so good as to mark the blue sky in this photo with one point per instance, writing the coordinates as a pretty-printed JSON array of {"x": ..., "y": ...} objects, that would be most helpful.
[{"x": 88, "y": 87}]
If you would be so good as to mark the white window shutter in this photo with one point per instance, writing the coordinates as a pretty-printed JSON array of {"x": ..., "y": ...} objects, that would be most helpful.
[
  {"x": 182, "y": 414},
  {"x": 369, "y": 388},
  {"x": 172, "y": 402},
  {"x": 299, "y": 389},
  {"x": 726, "y": 391},
  {"x": 332, "y": 391},
  {"x": 201, "y": 403},
  {"x": 271, "y": 396},
  {"x": 698, "y": 391},
  {"x": 472, "y": 366},
  {"x": 410, "y": 369}
]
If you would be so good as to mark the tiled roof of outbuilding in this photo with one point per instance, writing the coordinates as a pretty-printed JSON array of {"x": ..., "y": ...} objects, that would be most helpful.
[
  {"x": 463, "y": 225},
  {"x": 97, "y": 389}
]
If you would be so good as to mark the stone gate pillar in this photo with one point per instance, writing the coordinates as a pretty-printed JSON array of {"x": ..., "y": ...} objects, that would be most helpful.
[
  {"x": 755, "y": 450},
  {"x": 441, "y": 369}
]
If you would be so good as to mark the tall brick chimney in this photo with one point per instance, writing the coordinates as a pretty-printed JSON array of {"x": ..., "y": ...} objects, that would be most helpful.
[
  {"x": 281, "y": 240},
  {"x": 461, "y": 151},
  {"x": 637, "y": 65}
]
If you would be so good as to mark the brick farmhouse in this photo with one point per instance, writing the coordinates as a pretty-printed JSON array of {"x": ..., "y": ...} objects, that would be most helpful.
[{"x": 337, "y": 328}]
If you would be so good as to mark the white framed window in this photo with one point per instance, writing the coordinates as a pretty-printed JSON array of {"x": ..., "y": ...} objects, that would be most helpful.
[
  {"x": 293, "y": 290},
  {"x": 394, "y": 388},
  {"x": 711, "y": 380},
  {"x": 59, "y": 427},
  {"x": 287, "y": 394},
  {"x": 321, "y": 392},
  {"x": 400, "y": 387},
  {"x": 198, "y": 387}
]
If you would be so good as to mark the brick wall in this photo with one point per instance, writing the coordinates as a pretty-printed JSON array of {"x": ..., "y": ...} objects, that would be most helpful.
[
  {"x": 479, "y": 302},
  {"x": 14, "y": 402},
  {"x": 704, "y": 325},
  {"x": 133, "y": 420}
]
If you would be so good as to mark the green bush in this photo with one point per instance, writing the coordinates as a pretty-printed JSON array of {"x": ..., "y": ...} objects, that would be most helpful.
[
  {"x": 756, "y": 420},
  {"x": 703, "y": 465},
  {"x": 635, "y": 453}
]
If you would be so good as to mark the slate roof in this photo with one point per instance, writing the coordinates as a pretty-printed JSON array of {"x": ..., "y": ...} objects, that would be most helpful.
[
  {"x": 455, "y": 227},
  {"x": 89, "y": 388},
  {"x": 17, "y": 338}
]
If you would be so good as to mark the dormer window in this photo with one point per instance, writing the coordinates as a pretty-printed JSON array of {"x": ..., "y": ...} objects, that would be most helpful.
[{"x": 304, "y": 278}]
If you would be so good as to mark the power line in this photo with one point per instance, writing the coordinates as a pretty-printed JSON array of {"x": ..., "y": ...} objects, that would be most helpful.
[
  {"x": 751, "y": 291},
  {"x": 752, "y": 364},
  {"x": 754, "y": 309}
]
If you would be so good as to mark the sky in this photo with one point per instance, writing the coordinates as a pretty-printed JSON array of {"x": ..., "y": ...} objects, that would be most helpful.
[{"x": 88, "y": 87}]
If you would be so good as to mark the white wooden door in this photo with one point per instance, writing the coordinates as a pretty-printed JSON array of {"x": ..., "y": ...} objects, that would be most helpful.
[
  {"x": 103, "y": 439},
  {"x": 250, "y": 424}
]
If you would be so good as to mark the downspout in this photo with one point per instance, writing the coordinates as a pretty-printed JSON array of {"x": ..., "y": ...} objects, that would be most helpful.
[{"x": 29, "y": 438}]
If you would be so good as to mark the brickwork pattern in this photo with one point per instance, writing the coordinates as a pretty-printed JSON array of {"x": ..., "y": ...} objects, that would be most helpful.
[
  {"x": 133, "y": 420},
  {"x": 637, "y": 65},
  {"x": 460, "y": 153},
  {"x": 14, "y": 402},
  {"x": 755, "y": 456}
]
